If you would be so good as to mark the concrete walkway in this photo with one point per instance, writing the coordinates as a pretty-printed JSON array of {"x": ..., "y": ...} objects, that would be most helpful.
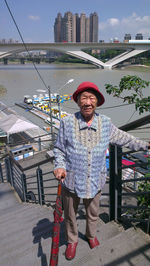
[{"x": 26, "y": 231}]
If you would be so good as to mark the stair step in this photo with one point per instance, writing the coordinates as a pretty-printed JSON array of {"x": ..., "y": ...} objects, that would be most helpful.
[
  {"x": 24, "y": 215},
  {"x": 130, "y": 247},
  {"x": 104, "y": 233},
  {"x": 26, "y": 233}
]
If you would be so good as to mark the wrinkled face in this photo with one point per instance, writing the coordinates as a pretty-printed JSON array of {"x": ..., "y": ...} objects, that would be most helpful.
[{"x": 87, "y": 102}]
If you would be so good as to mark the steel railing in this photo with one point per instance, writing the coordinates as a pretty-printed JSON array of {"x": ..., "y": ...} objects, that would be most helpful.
[
  {"x": 41, "y": 186},
  {"x": 119, "y": 210}
]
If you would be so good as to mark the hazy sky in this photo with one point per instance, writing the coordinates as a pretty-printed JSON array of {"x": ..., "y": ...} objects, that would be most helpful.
[{"x": 35, "y": 18}]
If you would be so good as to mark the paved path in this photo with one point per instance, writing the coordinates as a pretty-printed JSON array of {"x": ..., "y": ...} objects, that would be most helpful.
[{"x": 26, "y": 230}]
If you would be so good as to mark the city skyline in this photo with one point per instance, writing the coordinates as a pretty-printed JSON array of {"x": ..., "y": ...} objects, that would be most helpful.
[
  {"x": 35, "y": 18},
  {"x": 76, "y": 27}
]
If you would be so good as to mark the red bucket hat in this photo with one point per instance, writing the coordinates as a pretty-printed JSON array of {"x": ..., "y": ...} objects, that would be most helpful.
[{"x": 91, "y": 86}]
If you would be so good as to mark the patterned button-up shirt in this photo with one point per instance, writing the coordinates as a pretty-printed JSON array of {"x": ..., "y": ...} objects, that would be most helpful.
[{"x": 81, "y": 150}]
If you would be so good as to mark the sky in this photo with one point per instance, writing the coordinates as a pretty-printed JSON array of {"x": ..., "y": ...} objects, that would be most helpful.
[{"x": 35, "y": 18}]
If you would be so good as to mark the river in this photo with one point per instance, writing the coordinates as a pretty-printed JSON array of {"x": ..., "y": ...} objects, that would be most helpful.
[{"x": 21, "y": 80}]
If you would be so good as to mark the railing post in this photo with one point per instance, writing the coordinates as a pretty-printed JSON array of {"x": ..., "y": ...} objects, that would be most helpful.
[
  {"x": 24, "y": 186},
  {"x": 134, "y": 183},
  {"x": 41, "y": 196},
  {"x": 119, "y": 182},
  {"x": 39, "y": 144},
  {"x": 1, "y": 174},
  {"x": 115, "y": 187},
  {"x": 9, "y": 171},
  {"x": 112, "y": 182}
]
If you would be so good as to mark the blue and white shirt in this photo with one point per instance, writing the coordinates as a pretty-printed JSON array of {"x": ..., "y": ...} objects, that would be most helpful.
[{"x": 81, "y": 150}]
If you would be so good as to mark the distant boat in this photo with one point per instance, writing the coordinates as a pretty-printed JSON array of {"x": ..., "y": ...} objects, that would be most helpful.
[
  {"x": 28, "y": 99},
  {"x": 41, "y": 102},
  {"x": 55, "y": 97}
]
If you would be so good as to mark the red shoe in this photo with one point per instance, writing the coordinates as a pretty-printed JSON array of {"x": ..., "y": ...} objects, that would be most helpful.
[
  {"x": 93, "y": 242},
  {"x": 71, "y": 251}
]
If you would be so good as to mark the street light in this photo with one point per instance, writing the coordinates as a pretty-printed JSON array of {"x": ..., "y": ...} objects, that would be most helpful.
[
  {"x": 41, "y": 90},
  {"x": 50, "y": 109},
  {"x": 50, "y": 112},
  {"x": 58, "y": 96},
  {"x": 69, "y": 81}
]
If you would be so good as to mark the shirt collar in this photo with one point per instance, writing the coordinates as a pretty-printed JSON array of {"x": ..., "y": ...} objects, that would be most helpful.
[{"x": 83, "y": 124}]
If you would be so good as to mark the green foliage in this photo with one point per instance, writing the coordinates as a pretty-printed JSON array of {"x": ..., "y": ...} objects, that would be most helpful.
[
  {"x": 144, "y": 200},
  {"x": 108, "y": 54},
  {"x": 133, "y": 85},
  {"x": 105, "y": 54},
  {"x": 69, "y": 59},
  {"x": 130, "y": 90}
]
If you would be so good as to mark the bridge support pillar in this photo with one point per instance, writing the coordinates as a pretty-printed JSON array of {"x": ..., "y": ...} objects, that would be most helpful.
[
  {"x": 107, "y": 66},
  {"x": 5, "y": 60}
]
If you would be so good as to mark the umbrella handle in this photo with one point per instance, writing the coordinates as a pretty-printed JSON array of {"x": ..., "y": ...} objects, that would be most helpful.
[{"x": 59, "y": 189}]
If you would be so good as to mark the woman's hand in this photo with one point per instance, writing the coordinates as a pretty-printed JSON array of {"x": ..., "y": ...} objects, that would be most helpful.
[{"x": 60, "y": 174}]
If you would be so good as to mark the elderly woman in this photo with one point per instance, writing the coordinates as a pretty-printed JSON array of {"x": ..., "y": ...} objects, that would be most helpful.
[{"x": 80, "y": 161}]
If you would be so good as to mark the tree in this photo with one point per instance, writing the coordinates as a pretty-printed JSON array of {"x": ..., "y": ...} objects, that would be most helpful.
[{"x": 134, "y": 85}]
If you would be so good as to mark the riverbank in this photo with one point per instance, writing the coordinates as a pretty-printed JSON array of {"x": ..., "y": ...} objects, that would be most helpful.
[
  {"x": 136, "y": 67},
  {"x": 73, "y": 63}
]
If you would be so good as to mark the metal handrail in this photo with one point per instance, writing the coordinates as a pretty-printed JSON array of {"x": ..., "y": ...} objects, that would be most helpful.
[
  {"x": 116, "y": 190},
  {"x": 24, "y": 184}
]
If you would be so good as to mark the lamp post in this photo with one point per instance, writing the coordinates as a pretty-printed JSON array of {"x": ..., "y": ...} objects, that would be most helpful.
[
  {"x": 58, "y": 95},
  {"x": 50, "y": 111},
  {"x": 69, "y": 81},
  {"x": 58, "y": 102}
]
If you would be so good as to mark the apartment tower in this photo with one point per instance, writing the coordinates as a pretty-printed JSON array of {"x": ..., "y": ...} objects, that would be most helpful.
[
  {"x": 75, "y": 28},
  {"x": 93, "y": 27},
  {"x": 57, "y": 28}
]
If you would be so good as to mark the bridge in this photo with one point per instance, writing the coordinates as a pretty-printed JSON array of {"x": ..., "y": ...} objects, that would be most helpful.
[{"x": 130, "y": 49}]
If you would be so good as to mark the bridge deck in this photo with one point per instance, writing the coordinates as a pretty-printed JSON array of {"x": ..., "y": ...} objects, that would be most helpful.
[{"x": 76, "y": 50}]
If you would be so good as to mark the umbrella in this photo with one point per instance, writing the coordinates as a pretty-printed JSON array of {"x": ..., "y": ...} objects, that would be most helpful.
[{"x": 56, "y": 228}]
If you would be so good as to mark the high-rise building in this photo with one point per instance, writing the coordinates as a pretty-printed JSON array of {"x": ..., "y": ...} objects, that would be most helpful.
[
  {"x": 69, "y": 28},
  {"x": 57, "y": 28},
  {"x": 87, "y": 30},
  {"x": 93, "y": 27},
  {"x": 127, "y": 37},
  {"x": 139, "y": 36},
  {"x": 82, "y": 27},
  {"x": 75, "y": 28},
  {"x": 74, "y": 35}
]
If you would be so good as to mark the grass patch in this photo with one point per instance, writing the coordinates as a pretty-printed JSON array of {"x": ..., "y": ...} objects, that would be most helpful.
[{"x": 3, "y": 90}]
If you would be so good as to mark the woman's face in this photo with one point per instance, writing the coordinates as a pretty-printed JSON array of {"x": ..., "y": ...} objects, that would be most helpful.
[{"x": 87, "y": 102}]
